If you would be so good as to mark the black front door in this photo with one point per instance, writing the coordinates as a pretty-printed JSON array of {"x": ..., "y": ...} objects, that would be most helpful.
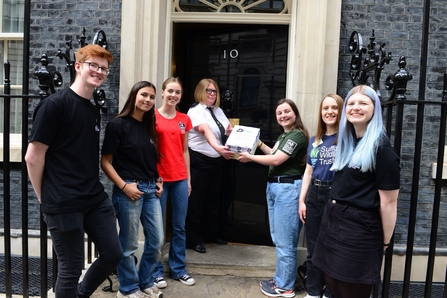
[{"x": 249, "y": 63}]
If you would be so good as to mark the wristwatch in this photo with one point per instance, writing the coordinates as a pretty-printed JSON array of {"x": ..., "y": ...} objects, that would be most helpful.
[{"x": 159, "y": 180}]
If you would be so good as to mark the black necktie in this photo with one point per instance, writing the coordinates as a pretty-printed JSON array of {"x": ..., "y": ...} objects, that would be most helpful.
[{"x": 223, "y": 137}]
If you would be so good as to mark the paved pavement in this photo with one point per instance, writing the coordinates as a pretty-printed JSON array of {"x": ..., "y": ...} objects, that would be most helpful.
[
  {"x": 206, "y": 287},
  {"x": 224, "y": 271}
]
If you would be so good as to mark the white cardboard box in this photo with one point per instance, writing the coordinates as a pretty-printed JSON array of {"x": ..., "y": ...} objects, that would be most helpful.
[{"x": 243, "y": 139}]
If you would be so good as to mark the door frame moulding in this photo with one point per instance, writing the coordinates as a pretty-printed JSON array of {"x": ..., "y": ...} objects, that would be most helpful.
[
  {"x": 231, "y": 18},
  {"x": 312, "y": 66},
  {"x": 218, "y": 17},
  {"x": 240, "y": 4},
  {"x": 280, "y": 18}
]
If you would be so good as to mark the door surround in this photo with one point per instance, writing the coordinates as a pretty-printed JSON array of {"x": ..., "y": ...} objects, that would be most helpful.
[{"x": 314, "y": 41}]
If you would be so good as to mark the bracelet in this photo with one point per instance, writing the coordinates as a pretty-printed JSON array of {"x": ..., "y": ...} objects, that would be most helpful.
[
  {"x": 387, "y": 244},
  {"x": 262, "y": 144},
  {"x": 124, "y": 186}
]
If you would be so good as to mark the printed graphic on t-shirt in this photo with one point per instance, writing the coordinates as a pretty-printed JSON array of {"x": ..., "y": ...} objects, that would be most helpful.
[
  {"x": 323, "y": 155},
  {"x": 289, "y": 146},
  {"x": 182, "y": 127}
]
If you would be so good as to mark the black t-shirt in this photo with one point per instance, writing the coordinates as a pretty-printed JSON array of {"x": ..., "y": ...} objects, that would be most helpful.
[
  {"x": 361, "y": 189},
  {"x": 70, "y": 126},
  {"x": 134, "y": 155}
]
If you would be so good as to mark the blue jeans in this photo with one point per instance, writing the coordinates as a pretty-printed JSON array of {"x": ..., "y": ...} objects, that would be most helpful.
[
  {"x": 177, "y": 191},
  {"x": 129, "y": 213},
  {"x": 285, "y": 227},
  {"x": 68, "y": 237},
  {"x": 317, "y": 197}
]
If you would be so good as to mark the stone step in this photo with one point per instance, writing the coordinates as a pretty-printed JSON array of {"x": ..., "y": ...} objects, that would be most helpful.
[{"x": 234, "y": 259}]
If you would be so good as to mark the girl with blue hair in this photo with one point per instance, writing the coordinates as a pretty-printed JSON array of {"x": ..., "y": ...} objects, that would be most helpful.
[{"x": 359, "y": 219}]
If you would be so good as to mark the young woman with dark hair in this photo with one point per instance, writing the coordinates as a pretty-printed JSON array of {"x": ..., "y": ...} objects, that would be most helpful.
[
  {"x": 286, "y": 161},
  {"x": 129, "y": 159}
]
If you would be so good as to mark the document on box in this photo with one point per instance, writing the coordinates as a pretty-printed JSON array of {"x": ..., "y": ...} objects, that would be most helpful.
[{"x": 243, "y": 139}]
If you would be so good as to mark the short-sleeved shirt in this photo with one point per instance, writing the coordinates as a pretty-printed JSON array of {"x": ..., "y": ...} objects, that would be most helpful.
[
  {"x": 294, "y": 144},
  {"x": 134, "y": 153},
  {"x": 70, "y": 126},
  {"x": 199, "y": 114},
  {"x": 360, "y": 189},
  {"x": 171, "y": 135},
  {"x": 321, "y": 157}
]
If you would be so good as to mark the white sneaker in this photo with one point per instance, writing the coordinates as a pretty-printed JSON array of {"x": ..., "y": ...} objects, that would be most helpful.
[
  {"x": 187, "y": 280},
  {"x": 137, "y": 294},
  {"x": 160, "y": 282},
  {"x": 153, "y": 292},
  {"x": 308, "y": 296}
]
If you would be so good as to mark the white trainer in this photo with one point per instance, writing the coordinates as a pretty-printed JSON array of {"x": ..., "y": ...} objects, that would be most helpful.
[
  {"x": 187, "y": 280},
  {"x": 153, "y": 292},
  {"x": 137, "y": 294},
  {"x": 160, "y": 282}
]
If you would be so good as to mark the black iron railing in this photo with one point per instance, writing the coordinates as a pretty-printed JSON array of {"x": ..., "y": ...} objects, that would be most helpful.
[
  {"x": 367, "y": 65},
  {"x": 48, "y": 82}
]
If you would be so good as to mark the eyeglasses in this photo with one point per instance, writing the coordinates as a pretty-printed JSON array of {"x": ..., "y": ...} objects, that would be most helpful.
[
  {"x": 211, "y": 91},
  {"x": 94, "y": 67}
]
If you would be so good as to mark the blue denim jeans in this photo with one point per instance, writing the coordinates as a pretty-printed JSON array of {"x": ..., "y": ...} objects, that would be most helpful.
[
  {"x": 177, "y": 192},
  {"x": 285, "y": 227},
  {"x": 68, "y": 237},
  {"x": 317, "y": 197},
  {"x": 129, "y": 213}
]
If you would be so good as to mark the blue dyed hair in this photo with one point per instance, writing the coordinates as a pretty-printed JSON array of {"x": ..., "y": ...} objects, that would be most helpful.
[{"x": 362, "y": 156}]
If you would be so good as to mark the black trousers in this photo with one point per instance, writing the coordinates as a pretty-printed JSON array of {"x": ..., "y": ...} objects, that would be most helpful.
[
  {"x": 317, "y": 197},
  {"x": 202, "y": 220}
]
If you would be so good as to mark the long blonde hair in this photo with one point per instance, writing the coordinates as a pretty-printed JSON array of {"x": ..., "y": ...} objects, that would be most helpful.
[{"x": 322, "y": 128}]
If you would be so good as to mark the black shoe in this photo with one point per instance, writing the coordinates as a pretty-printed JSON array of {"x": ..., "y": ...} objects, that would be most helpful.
[{"x": 199, "y": 248}]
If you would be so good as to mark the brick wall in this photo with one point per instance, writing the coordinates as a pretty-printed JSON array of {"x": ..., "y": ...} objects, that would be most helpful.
[
  {"x": 399, "y": 25},
  {"x": 396, "y": 23},
  {"x": 53, "y": 23}
]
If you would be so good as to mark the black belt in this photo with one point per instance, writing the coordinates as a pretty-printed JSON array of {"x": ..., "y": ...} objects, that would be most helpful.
[
  {"x": 284, "y": 179},
  {"x": 318, "y": 182},
  {"x": 205, "y": 157},
  {"x": 150, "y": 180}
]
